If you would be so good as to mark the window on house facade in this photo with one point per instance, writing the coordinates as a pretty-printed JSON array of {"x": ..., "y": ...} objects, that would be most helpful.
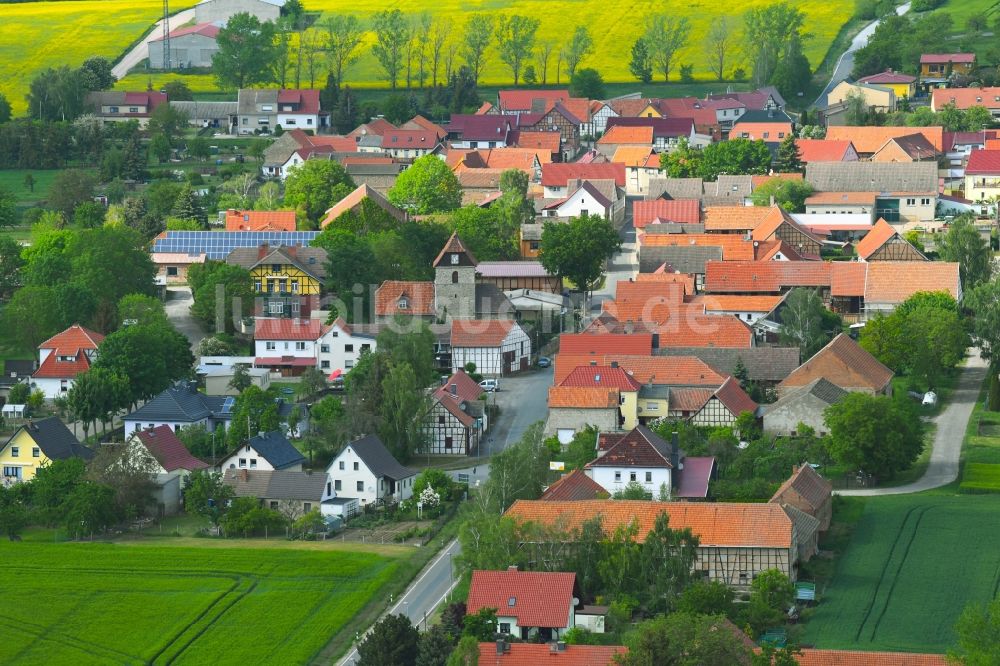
[
  {"x": 307, "y": 507},
  {"x": 366, "y": 347},
  {"x": 911, "y": 202},
  {"x": 441, "y": 419},
  {"x": 447, "y": 442},
  {"x": 355, "y": 467},
  {"x": 171, "y": 271},
  {"x": 454, "y": 277},
  {"x": 274, "y": 505},
  {"x": 632, "y": 476},
  {"x": 361, "y": 486},
  {"x": 348, "y": 349},
  {"x": 925, "y": 202},
  {"x": 324, "y": 349},
  {"x": 253, "y": 463},
  {"x": 348, "y": 363},
  {"x": 325, "y": 365},
  {"x": 341, "y": 464},
  {"x": 404, "y": 303},
  {"x": 36, "y": 452},
  {"x": 15, "y": 452},
  {"x": 454, "y": 259},
  {"x": 649, "y": 477},
  {"x": 618, "y": 476},
  {"x": 270, "y": 345},
  {"x": 243, "y": 463},
  {"x": 651, "y": 406},
  {"x": 300, "y": 346},
  {"x": 336, "y": 485}
]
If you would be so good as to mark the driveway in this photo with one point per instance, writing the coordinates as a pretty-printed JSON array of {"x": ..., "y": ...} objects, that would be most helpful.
[
  {"x": 141, "y": 50},
  {"x": 846, "y": 62},
  {"x": 424, "y": 595},
  {"x": 951, "y": 425},
  {"x": 178, "y": 307},
  {"x": 523, "y": 400}
]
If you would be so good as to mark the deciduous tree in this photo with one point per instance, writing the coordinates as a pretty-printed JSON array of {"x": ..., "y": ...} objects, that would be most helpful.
[
  {"x": 580, "y": 45},
  {"x": 477, "y": 35},
  {"x": 392, "y": 32},
  {"x": 578, "y": 250},
  {"x": 515, "y": 36},
  {"x": 665, "y": 35},
  {"x": 247, "y": 50},
  {"x": 428, "y": 186},
  {"x": 964, "y": 244},
  {"x": 392, "y": 641},
  {"x": 806, "y": 323},
  {"x": 315, "y": 185},
  {"x": 874, "y": 434},
  {"x": 639, "y": 64},
  {"x": 717, "y": 45}
]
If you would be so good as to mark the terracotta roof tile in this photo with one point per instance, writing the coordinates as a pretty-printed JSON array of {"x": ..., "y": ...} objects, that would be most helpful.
[
  {"x": 870, "y": 139},
  {"x": 274, "y": 328},
  {"x": 735, "y": 398},
  {"x": 685, "y": 279},
  {"x": 880, "y": 234},
  {"x": 856, "y": 658},
  {"x": 531, "y": 654},
  {"x": 466, "y": 388},
  {"x": 715, "y": 524},
  {"x": 72, "y": 340},
  {"x": 945, "y": 58},
  {"x": 535, "y": 598},
  {"x": 844, "y": 363},
  {"x": 964, "y": 98},
  {"x": 546, "y": 141},
  {"x": 419, "y": 298},
  {"x": 734, "y": 246},
  {"x": 823, "y": 150},
  {"x": 634, "y": 156},
  {"x": 260, "y": 220},
  {"x": 169, "y": 451},
  {"x": 808, "y": 484},
  {"x": 622, "y": 134},
  {"x": 684, "y": 211},
  {"x": 985, "y": 162},
  {"x": 705, "y": 330},
  {"x": 848, "y": 278},
  {"x": 887, "y": 76},
  {"x": 895, "y": 281},
  {"x": 588, "y": 343},
  {"x": 600, "y": 376},
  {"x": 574, "y": 486},
  {"x": 575, "y": 397},
  {"x": 656, "y": 370},
  {"x": 558, "y": 174},
  {"x": 764, "y": 276},
  {"x": 522, "y": 100},
  {"x": 689, "y": 399},
  {"x": 480, "y": 333},
  {"x": 736, "y": 302},
  {"x": 734, "y": 218},
  {"x": 53, "y": 368}
]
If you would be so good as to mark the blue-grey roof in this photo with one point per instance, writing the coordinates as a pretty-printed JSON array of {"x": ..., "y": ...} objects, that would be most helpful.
[
  {"x": 180, "y": 403},
  {"x": 218, "y": 244},
  {"x": 54, "y": 439},
  {"x": 275, "y": 448},
  {"x": 378, "y": 460}
]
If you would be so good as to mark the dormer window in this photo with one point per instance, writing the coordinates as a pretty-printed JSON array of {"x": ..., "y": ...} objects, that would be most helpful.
[
  {"x": 404, "y": 303},
  {"x": 454, "y": 259}
]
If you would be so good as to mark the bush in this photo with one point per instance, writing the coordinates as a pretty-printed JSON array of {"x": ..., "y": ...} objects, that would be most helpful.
[{"x": 687, "y": 75}]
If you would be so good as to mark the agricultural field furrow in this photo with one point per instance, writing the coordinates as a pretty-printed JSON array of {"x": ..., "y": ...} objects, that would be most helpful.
[{"x": 104, "y": 603}]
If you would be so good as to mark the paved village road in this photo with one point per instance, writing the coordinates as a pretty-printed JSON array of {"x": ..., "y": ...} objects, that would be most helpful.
[
  {"x": 523, "y": 400},
  {"x": 424, "y": 595},
  {"x": 951, "y": 425},
  {"x": 178, "y": 307},
  {"x": 141, "y": 50},
  {"x": 846, "y": 62}
]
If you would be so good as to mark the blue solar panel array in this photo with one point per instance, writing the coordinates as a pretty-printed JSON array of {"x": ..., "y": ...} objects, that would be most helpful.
[{"x": 218, "y": 244}]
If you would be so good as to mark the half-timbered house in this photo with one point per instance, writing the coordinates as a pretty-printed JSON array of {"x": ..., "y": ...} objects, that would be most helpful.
[
  {"x": 286, "y": 279},
  {"x": 457, "y": 418},
  {"x": 884, "y": 243}
]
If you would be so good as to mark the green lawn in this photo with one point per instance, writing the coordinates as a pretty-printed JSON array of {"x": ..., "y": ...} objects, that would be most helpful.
[
  {"x": 908, "y": 572},
  {"x": 102, "y": 603},
  {"x": 12, "y": 180}
]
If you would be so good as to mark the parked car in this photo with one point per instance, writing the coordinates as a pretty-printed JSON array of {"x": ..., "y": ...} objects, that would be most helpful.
[
  {"x": 490, "y": 385},
  {"x": 930, "y": 399},
  {"x": 544, "y": 361}
]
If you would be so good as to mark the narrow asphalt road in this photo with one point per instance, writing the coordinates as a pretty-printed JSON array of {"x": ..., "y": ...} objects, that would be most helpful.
[
  {"x": 951, "y": 425},
  {"x": 178, "y": 307},
  {"x": 424, "y": 595},
  {"x": 622, "y": 266},
  {"x": 846, "y": 62},
  {"x": 141, "y": 50},
  {"x": 522, "y": 400}
]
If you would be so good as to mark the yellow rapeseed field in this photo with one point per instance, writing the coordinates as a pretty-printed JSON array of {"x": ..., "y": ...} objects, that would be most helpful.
[
  {"x": 37, "y": 35},
  {"x": 42, "y": 34}
]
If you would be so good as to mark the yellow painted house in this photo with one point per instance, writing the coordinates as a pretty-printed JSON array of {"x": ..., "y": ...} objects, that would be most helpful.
[
  {"x": 35, "y": 445},
  {"x": 289, "y": 279},
  {"x": 903, "y": 85}
]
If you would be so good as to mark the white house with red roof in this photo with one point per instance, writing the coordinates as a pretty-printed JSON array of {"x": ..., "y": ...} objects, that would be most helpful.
[
  {"x": 118, "y": 106},
  {"x": 172, "y": 460},
  {"x": 528, "y": 603},
  {"x": 288, "y": 346},
  {"x": 556, "y": 176},
  {"x": 495, "y": 346},
  {"x": 457, "y": 419},
  {"x": 982, "y": 175},
  {"x": 266, "y": 109},
  {"x": 585, "y": 200},
  {"x": 62, "y": 357}
]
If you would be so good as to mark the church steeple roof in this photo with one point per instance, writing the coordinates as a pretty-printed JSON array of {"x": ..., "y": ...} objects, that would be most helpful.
[{"x": 454, "y": 253}]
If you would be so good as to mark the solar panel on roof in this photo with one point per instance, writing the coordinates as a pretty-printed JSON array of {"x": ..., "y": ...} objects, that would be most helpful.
[
  {"x": 218, "y": 244},
  {"x": 227, "y": 406}
]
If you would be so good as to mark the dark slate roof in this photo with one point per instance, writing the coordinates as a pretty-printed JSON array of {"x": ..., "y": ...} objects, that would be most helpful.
[
  {"x": 275, "y": 448},
  {"x": 19, "y": 367},
  {"x": 55, "y": 440},
  {"x": 378, "y": 460},
  {"x": 763, "y": 116},
  {"x": 681, "y": 258},
  {"x": 276, "y": 485},
  {"x": 181, "y": 403},
  {"x": 823, "y": 389},
  {"x": 769, "y": 364},
  {"x": 491, "y": 300}
]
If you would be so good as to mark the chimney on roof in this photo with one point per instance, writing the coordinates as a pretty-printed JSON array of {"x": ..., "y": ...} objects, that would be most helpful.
[
  {"x": 512, "y": 567},
  {"x": 501, "y": 646},
  {"x": 262, "y": 251},
  {"x": 614, "y": 364},
  {"x": 244, "y": 475}
]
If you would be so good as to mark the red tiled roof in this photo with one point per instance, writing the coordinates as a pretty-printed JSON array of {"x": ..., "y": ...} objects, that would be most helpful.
[
  {"x": 879, "y": 235},
  {"x": 869, "y": 139},
  {"x": 689, "y": 399},
  {"x": 646, "y": 302},
  {"x": 274, "y": 328},
  {"x": 887, "y": 76},
  {"x": 169, "y": 451},
  {"x": 844, "y": 363},
  {"x": 823, "y": 150},
  {"x": 661, "y": 275},
  {"x": 764, "y": 276},
  {"x": 684, "y": 211},
  {"x": 521, "y": 100},
  {"x": 72, "y": 340},
  {"x": 466, "y": 388},
  {"x": 421, "y": 139},
  {"x": 734, "y": 246},
  {"x": 715, "y": 524},
  {"x": 533, "y": 654},
  {"x": 657, "y": 370},
  {"x": 775, "y": 220},
  {"x": 535, "y": 598},
  {"x": 622, "y": 134},
  {"x": 705, "y": 330},
  {"x": 538, "y": 140},
  {"x": 945, "y": 58},
  {"x": 53, "y": 368},
  {"x": 895, "y": 281},
  {"x": 965, "y": 98},
  {"x": 734, "y": 218},
  {"x": 419, "y": 296},
  {"x": 588, "y": 343},
  {"x": 808, "y": 484},
  {"x": 634, "y": 157},
  {"x": 581, "y": 397},
  {"x": 735, "y": 398},
  {"x": 984, "y": 162},
  {"x": 574, "y": 486},
  {"x": 558, "y": 174},
  {"x": 848, "y": 278},
  {"x": 260, "y": 220},
  {"x": 209, "y": 30},
  {"x": 600, "y": 376},
  {"x": 736, "y": 302},
  {"x": 858, "y": 658},
  {"x": 479, "y": 332}
]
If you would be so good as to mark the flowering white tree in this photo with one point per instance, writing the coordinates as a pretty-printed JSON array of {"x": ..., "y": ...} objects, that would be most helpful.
[{"x": 429, "y": 498}]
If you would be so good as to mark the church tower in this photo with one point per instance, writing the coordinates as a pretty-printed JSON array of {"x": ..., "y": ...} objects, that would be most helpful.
[{"x": 455, "y": 281}]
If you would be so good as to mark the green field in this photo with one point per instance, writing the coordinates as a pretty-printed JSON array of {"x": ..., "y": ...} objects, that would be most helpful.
[
  {"x": 911, "y": 567},
  {"x": 114, "y": 604},
  {"x": 12, "y": 180}
]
